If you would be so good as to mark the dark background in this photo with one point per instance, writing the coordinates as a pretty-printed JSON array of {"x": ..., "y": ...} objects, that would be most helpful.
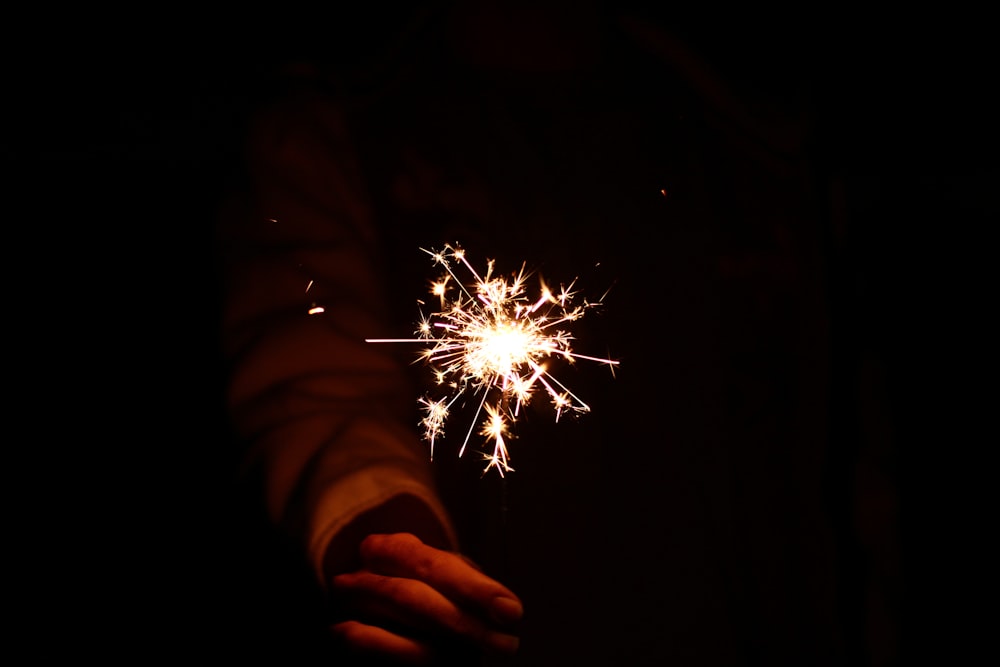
[{"x": 787, "y": 470}]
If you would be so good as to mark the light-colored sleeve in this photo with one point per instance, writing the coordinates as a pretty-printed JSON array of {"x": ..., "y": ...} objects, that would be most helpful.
[{"x": 324, "y": 414}]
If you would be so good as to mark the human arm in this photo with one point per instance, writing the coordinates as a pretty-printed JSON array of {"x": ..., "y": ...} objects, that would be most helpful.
[{"x": 322, "y": 412}]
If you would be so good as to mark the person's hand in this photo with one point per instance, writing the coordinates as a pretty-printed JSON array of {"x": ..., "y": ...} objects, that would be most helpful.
[{"x": 413, "y": 604}]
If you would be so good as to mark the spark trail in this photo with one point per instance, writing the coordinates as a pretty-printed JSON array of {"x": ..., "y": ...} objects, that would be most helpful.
[{"x": 492, "y": 341}]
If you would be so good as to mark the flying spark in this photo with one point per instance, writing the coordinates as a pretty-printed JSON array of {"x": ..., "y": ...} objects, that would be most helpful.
[{"x": 490, "y": 340}]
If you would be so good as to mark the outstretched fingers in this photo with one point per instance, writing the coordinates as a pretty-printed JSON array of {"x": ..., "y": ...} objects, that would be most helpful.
[
  {"x": 413, "y": 604},
  {"x": 454, "y": 577}
]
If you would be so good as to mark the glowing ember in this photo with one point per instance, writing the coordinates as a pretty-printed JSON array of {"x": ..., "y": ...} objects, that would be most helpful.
[{"x": 491, "y": 341}]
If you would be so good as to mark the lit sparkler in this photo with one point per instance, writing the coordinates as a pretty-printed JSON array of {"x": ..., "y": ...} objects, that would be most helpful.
[{"x": 493, "y": 342}]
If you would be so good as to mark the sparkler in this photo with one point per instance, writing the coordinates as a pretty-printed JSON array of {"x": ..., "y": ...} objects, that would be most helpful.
[{"x": 492, "y": 342}]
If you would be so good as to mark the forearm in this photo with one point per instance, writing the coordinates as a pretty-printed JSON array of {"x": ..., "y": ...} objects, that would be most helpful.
[{"x": 323, "y": 412}]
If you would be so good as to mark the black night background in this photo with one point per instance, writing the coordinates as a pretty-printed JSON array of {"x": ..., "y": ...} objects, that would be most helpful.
[{"x": 787, "y": 468}]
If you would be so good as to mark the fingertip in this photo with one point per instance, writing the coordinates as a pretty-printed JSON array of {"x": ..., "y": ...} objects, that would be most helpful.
[
  {"x": 506, "y": 610},
  {"x": 503, "y": 643}
]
